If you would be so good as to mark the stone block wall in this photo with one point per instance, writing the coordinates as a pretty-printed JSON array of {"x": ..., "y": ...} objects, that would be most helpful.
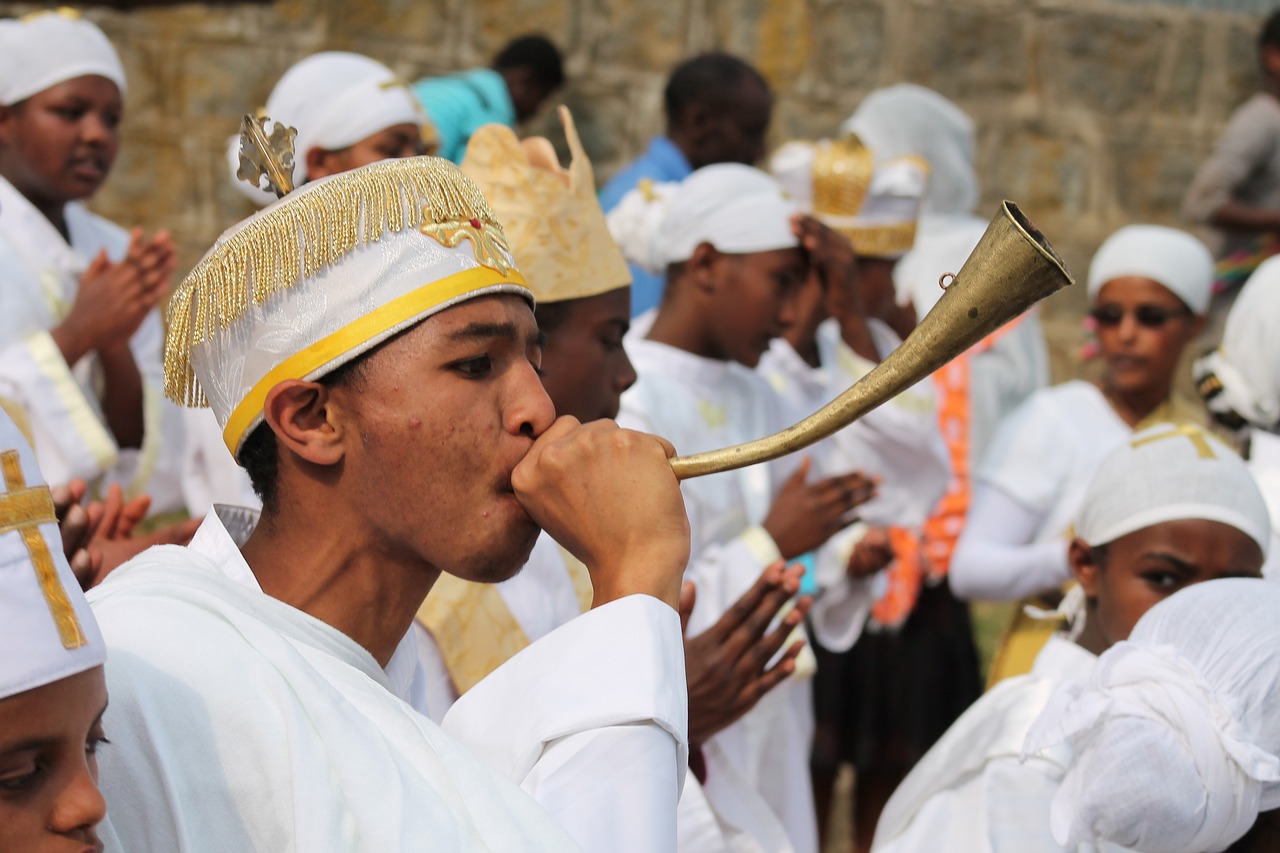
[{"x": 1092, "y": 113}]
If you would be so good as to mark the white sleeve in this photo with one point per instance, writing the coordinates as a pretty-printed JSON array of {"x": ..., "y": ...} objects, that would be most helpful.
[
  {"x": 995, "y": 559},
  {"x": 593, "y": 714}
]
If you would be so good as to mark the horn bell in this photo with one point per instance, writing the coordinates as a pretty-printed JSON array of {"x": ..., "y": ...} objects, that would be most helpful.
[{"x": 1012, "y": 268}]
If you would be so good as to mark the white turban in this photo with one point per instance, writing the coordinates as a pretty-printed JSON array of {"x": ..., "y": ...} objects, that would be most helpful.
[
  {"x": 737, "y": 209},
  {"x": 908, "y": 119},
  {"x": 1175, "y": 738},
  {"x": 1167, "y": 473},
  {"x": 1243, "y": 375},
  {"x": 47, "y": 630},
  {"x": 1167, "y": 256},
  {"x": 43, "y": 49},
  {"x": 334, "y": 100}
]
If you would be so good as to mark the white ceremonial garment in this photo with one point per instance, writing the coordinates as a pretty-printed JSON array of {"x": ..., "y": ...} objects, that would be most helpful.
[
  {"x": 725, "y": 816},
  {"x": 899, "y": 442},
  {"x": 240, "y": 724},
  {"x": 40, "y": 274},
  {"x": 970, "y": 793},
  {"x": 210, "y": 475},
  {"x": 1264, "y": 465},
  {"x": 1027, "y": 491},
  {"x": 700, "y": 404}
]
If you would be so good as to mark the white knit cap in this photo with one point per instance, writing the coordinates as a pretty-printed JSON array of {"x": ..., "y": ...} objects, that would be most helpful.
[
  {"x": 737, "y": 209},
  {"x": 1175, "y": 738},
  {"x": 47, "y": 631},
  {"x": 1171, "y": 472},
  {"x": 1245, "y": 370},
  {"x": 325, "y": 274},
  {"x": 875, "y": 202},
  {"x": 43, "y": 49},
  {"x": 1167, "y": 256},
  {"x": 333, "y": 100}
]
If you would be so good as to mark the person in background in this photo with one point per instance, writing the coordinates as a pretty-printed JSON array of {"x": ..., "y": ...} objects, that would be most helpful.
[
  {"x": 1236, "y": 192},
  {"x": 1168, "y": 508},
  {"x": 523, "y": 75},
  {"x": 1173, "y": 742},
  {"x": 717, "y": 110}
]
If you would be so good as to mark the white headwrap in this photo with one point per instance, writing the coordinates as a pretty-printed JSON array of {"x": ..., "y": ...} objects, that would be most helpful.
[
  {"x": 908, "y": 119},
  {"x": 41, "y": 50},
  {"x": 334, "y": 100},
  {"x": 735, "y": 208},
  {"x": 1170, "y": 257},
  {"x": 1176, "y": 736},
  {"x": 1171, "y": 472},
  {"x": 47, "y": 630},
  {"x": 1243, "y": 375}
]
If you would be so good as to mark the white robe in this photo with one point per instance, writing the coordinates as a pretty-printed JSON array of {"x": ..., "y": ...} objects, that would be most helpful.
[
  {"x": 1264, "y": 464},
  {"x": 700, "y": 404},
  {"x": 1027, "y": 491},
  {"x": 39, "y": 277},
  {"x": 725, "y": 816},
  {"x": 899, "y": 442},
  {"x": 239, "y": 723},
  {"x": 970, "y": 792}
]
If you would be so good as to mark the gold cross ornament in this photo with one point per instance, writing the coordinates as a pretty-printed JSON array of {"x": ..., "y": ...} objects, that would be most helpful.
[{"x": 23, "y": 509}]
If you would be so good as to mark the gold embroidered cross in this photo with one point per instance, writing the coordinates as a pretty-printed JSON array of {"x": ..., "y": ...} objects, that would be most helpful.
[
  {"x": 1198, "y": 437},
  {"x": 24, "y": 509}
]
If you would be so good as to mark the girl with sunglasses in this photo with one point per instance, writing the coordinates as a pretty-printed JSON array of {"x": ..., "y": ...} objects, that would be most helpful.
[{"x": 1148, "y": 287}]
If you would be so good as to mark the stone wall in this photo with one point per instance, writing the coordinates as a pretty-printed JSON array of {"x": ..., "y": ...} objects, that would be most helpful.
[{"x": 1092, "y": 113}]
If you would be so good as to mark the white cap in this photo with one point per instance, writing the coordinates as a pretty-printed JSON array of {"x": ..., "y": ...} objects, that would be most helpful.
[
  {"x": 1171, "y": 472},
  {"x": 324, "y": 275},
  {"x": 874, "y": 202},
  {"x": 737, "y": 209},
  {"x": 333, "y": 100},
  {"x": 1175, "y": 738},
  {"x": 1242, "y": 378},
  {"x": 1167, "y": 256},
  {"x": 41, "y": 50},
  {"x": 47, "y": 631}
]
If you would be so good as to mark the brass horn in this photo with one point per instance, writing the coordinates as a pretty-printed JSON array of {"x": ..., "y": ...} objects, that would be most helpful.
[{"x": 1012, "y": 268}]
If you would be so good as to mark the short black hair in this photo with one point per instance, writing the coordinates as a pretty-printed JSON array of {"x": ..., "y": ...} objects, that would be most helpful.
[
  {"x": 1270, "y": 35},
  {"x": 258, "y": 455},
  {"x": 538, "y": 55},
  {"x": 706, "y": 79}
]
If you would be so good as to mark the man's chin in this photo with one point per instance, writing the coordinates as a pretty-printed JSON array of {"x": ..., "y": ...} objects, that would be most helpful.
[{"x": 496, "y": 568}]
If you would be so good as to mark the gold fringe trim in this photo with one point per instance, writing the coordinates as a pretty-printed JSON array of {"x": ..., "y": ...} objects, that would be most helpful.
[{"x": 309, "y": 231}]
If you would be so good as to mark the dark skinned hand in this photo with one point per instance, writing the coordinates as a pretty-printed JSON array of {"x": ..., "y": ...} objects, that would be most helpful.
[
  {"x": 805, "y": 515},
  {"x": 872, "y": 553}
]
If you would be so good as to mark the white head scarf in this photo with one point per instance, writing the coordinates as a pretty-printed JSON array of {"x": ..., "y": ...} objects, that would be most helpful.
[
  {"x": 334, "y": 100},
  {"x": 43, "y": 49},
  {"x": 47, "y": 630},
  {"x": 1171, "y": 472},
  {"x": 1170, "y": 257},
  {"x": 908, "y": 119},
  {"x": 1247, "y": 365},
  {"x": 1176, "y": 736},
  {"x": 737, "y": 209}
]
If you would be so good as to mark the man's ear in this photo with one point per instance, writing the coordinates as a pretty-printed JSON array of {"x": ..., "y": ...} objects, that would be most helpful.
[
  {"x": 1085, "y": 565},
  {"x": 7, "y": 116},
  {"x": 701, "y": 267},
  {"x": 321, "y": 163},
  {"x": 301, "y": 414}
]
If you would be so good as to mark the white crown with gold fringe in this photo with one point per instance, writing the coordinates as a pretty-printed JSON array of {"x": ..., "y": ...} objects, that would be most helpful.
[
  {"x": 552, "y": 217},
  {"x": 875, "y": 204},
  {"x": 327, "y": 273}
]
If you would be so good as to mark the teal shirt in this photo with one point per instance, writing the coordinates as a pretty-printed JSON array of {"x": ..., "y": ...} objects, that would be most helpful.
[{"x": 460, "y": 103}]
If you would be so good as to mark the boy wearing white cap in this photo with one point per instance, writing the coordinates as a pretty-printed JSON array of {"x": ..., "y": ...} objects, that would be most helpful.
[
  {"x": 1174, "y": 739},
  {"x": 52, "y": 690},
  {"x": 1172, "y": 506},
  {"x": 369, "y": 348},
  {"x": 1148, "y": 291},
  {"x": 79, "y": 337},
  {"x": 730, "y": 243}
]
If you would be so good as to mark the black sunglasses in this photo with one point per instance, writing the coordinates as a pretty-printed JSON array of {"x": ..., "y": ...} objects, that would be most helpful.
[{"x": 1147, "y": 316}]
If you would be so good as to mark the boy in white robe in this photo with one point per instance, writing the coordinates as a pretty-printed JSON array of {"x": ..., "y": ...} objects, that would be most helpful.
[
  {"x": 1172, "y": 506},
  {"x": 80, "y": 340},
  {"x": 730, "y": 244},
  {"x": 1174, "y": 739},
  {"x": 380, "y": 387}
]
